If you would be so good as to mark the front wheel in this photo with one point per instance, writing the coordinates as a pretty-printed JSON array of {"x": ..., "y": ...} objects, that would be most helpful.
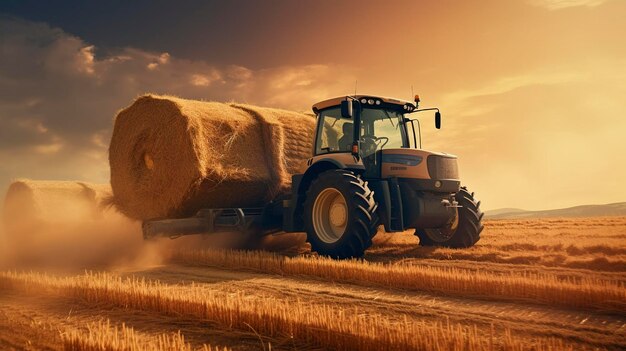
[
  {"x": 340, "y": 214},
  {"x": 463, "y": 231}
]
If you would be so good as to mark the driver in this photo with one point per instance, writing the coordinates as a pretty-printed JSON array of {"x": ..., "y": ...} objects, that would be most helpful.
[{"x": 345, "y": 142}]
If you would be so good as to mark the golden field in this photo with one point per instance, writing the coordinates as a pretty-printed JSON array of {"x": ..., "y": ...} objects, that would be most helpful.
[{"x": 533, "y": 284}]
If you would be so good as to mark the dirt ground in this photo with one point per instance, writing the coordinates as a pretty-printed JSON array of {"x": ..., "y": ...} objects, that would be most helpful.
[{"x": 565, "y": 250}]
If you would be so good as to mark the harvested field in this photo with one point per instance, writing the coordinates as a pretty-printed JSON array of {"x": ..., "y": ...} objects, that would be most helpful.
[
  {"x": 102, "y": 335},
  {"x": 596, "y": 243},
  {"x": 400, "y": 297}
]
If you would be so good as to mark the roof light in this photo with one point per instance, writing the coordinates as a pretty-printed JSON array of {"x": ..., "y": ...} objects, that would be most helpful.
[
  {"x": 377, "y": 102},
  {"x": 363, "y": 101},
  {"x": 370, "y": 101}
]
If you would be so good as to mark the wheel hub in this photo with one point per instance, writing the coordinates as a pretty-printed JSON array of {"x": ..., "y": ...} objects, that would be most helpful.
[
  {"x": 330, "y": 215},
  {"x": 338, "y": 213},
  {"x": 444, "y": 234}
]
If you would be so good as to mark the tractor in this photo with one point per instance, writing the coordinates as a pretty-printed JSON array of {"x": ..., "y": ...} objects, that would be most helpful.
[{"x": 367, "y": 169}]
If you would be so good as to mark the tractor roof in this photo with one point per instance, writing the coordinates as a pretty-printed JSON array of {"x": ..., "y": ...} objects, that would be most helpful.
[{"x": 337, "y": 101}]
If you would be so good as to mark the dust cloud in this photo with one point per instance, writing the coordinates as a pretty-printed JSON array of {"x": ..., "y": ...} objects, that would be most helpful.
[
  {"x": 74, "y": 242},
  {"x": 77, "y": 244}
]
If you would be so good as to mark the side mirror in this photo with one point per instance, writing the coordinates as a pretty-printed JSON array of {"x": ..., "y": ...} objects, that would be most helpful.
[
  {"x": 346, "y": 109},
  {"x": 438, "y": 120}
]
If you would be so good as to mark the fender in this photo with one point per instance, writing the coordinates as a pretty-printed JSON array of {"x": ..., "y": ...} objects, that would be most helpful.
[
  {"x": 343, "y": 160},
  {"x": 322, "y": 163}
]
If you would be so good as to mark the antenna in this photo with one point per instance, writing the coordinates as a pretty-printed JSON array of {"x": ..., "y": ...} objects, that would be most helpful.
[{"x": 355, "y": 85}]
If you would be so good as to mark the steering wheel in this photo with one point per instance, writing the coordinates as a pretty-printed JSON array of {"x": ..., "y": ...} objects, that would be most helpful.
[
  {"x": 386, "y": 140},
  {"x": 371, "y": 143}
]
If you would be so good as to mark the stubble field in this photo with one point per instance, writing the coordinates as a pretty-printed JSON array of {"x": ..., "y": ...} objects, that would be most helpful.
[{"x": 538, "y": 284}]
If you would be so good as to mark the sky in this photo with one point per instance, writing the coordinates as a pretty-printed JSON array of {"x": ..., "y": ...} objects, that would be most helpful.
[{"x": 532, "y": 92}]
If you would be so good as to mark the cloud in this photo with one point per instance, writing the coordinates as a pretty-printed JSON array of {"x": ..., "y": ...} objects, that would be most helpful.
[
  {"x": 545, "y": 76},
  {"x": 298, "y": 87},
  {"x": 85, "y": 59},
  {"x": 47, "y": 149},
  {"x": 58, "y": 95},
  {"x": 204, "y": 80},
  {"x": 561, "y": 4}
]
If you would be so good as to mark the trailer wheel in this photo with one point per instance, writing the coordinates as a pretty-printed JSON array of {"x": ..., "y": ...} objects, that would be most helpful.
[
  {"x": 463, "y": 231},
  {"x": 340, "y": 214}
]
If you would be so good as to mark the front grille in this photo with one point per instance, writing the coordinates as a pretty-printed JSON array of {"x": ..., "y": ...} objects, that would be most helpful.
[{"x": 440, "y": 167}]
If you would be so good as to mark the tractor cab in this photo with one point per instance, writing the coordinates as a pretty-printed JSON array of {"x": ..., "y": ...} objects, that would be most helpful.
[
  {"x": 369, "y": 128},
  {"x": 355, "y": 122}
]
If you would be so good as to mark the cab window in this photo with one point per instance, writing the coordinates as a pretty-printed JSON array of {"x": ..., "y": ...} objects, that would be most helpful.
[{"x": 335, "y": 133}]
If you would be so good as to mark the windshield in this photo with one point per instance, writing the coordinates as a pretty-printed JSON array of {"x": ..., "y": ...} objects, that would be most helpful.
[{"x": 380, "y": 129}]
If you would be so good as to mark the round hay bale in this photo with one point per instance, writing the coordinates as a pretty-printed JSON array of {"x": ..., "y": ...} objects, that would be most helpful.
[
  {"x": 169, "y": 157},
  {"x": 33, "y": 204}
]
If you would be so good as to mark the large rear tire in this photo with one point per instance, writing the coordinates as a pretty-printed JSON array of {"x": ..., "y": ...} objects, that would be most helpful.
[
  {"x": 463, "y": 232},
  {"x": 340, "y": 214}
]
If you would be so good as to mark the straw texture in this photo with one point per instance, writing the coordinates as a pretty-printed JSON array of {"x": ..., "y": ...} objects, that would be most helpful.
[{"x": 170, "y": 157}]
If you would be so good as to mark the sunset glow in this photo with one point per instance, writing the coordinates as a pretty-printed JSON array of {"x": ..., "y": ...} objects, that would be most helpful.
[{"x": 531, "y": 92}]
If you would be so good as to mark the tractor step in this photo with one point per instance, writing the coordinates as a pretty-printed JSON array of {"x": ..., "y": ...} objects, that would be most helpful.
[{"x": 396, "y": 220}]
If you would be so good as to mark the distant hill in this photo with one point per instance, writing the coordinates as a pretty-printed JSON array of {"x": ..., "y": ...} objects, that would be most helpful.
[
  {"x": 616, "y": 209},
  {"x": 501, "y": 211}
]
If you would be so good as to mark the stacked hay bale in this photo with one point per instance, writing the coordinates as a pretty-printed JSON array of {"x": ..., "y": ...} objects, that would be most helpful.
[
  {"x": 31, "y": 205},
  {"x": 170, "y": 157}
]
